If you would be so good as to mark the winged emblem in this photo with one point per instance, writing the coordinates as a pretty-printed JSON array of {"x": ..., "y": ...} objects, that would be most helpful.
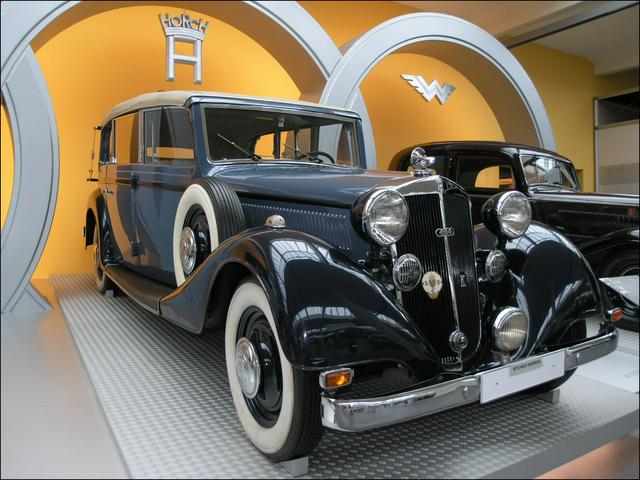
[{"x": 430, "y": 90}]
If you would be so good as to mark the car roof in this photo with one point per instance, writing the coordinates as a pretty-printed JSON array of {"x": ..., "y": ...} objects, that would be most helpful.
[
  {"x": 184, "y": 97},
  {"x": 489, "y": 145}
]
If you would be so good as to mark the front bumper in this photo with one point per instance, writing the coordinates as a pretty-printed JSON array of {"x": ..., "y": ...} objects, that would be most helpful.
[{"x": 365, "y": 414}]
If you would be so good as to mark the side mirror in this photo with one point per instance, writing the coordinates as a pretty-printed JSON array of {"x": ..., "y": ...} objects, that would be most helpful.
[{"x": 420, "y": 161}]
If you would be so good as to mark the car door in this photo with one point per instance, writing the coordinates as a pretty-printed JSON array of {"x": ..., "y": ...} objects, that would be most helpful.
[
  {"x": 483, "y": 175},
  {"x": 167, "y": 169},
  {"x": 118, "y": 191}
]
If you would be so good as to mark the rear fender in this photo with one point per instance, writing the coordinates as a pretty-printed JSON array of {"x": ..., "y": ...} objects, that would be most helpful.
[
  {"x": 600, "y": 249},
  {"x": 328, "y": 311},
  {"x": 95, "y": 207}
]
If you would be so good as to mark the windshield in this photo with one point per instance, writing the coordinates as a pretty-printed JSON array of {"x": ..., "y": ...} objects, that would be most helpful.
[
  {"x": 540, "y": 170},
  {"x": 235, "y": 134}
]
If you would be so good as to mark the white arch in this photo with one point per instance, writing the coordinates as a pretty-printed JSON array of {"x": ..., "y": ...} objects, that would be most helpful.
[
  {"x": 472, "y": 51},
  {"x": 285, "y": 29}
]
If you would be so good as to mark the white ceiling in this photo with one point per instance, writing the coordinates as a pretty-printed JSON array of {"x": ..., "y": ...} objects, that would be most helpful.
[{"x": 610, "y": 42}]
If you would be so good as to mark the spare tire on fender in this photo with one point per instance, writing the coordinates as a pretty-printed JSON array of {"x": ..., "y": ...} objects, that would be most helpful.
[{"x": 208, "y": 213}]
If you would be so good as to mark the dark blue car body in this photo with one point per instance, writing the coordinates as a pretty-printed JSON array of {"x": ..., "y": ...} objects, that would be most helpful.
[{"x": 332, "y": 305}]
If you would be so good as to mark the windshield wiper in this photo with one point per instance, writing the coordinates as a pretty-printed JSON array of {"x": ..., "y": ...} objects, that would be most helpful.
[
  {"x": 551, "y": 185},
  {"x": 252, "y": 156},
  {"x": 297, "y": 150}
]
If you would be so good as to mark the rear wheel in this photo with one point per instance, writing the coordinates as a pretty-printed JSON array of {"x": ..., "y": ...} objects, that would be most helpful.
[
  {"x": 277, "y": 404},
  {"x": 102, "y": 281},
  {"x": 208, "y": 213},
  {"x": 621, "y": 265}
]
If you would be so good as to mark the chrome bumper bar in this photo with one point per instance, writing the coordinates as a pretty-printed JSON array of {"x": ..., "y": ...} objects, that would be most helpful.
[{"x": 365, "y": 414}]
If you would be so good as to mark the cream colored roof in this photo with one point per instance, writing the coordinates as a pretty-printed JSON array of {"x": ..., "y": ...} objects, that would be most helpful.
[{"x": 180, "y": 97}]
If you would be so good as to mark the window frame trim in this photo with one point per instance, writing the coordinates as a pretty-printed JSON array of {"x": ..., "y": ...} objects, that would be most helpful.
[{"x": 141, "y": 146}]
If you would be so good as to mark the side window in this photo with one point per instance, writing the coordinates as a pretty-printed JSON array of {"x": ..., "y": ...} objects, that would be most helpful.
[
  {"x": 484, "y": 173},
  {"x": 106, "y": 146},
  {"x": 167, "y": 137},
  {"x": 125, "y": 139}
]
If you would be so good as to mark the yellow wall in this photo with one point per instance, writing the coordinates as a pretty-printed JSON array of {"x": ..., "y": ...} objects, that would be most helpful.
[
  {"x": 344, "y": 21},
  {"x": 6, "y": 163},
  {"x": 568, "y": 86},
  {"x": 401, "y": 117},
  {"x": 113, "y": 56},
  {"x": 565, "y": 82}
]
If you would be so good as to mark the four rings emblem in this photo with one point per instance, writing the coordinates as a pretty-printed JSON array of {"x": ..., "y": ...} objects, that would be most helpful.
[{"x": 444, "y": 232}]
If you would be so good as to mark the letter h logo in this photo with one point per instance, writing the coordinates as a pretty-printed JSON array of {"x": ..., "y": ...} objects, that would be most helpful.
[{"x": 184, "y": 29}]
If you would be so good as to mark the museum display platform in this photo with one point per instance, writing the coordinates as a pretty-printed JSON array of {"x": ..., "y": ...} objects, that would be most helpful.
[{"x": 165, "y": 395}]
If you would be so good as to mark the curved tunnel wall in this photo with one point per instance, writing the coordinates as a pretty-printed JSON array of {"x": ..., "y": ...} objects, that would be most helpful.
[{"x": 296, "y": 48}]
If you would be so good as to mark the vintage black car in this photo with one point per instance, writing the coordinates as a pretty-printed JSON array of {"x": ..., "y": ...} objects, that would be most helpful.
[
  {"x": 605, "y": 227},
  {"x": 257, "y": 216}
]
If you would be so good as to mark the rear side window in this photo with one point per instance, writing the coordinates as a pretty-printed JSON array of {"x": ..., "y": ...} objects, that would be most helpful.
[
  {"x": 125, "y": 139},
  {"x": 484, "y": 173},
  {"x": 167, "y": 137}
]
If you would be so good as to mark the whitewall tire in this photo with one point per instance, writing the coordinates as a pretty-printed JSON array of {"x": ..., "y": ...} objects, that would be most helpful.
[
  {"x": 208, "y": 213},
  {"x": 295, "y": 429}
]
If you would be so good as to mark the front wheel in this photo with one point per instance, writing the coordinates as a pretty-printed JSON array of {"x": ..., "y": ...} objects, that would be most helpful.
[{"x": 278, "y": 405}]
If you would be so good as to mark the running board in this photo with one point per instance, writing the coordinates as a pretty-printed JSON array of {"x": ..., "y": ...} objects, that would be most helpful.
[{"x": 142, "y": 290}]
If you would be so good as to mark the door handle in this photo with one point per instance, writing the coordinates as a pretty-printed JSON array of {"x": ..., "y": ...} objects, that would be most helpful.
[
  {"x": 134, "y": 181},
  {"x": 106, "y": 191}
]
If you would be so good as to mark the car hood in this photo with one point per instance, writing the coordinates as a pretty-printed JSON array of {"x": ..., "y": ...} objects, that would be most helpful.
[
  {"x": 308, "y": 183},
  {"x": 590, "y": 198}
]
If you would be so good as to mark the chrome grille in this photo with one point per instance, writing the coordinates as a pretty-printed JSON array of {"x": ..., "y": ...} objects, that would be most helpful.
[
  {"x": 434, "y": 317},
  {"x": 437, "y": 318}
]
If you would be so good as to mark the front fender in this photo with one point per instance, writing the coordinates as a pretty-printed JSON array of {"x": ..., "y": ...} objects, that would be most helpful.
[
  {"x": 328, "y": 311},
  {"x": 550, "y": 280}
]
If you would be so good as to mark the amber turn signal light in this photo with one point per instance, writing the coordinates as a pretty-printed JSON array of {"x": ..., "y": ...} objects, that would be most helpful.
[
  {"x": 615, "y": 314},
  {"x": 336, "y": 378}
]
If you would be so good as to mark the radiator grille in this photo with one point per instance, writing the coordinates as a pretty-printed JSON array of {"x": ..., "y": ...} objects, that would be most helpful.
[
  {"x": 463, "y": 264},
  {"x": 436, "y": 318}
]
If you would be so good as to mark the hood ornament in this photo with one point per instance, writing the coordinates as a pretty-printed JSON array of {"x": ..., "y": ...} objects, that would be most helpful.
[{"x": 421, "y": 162}]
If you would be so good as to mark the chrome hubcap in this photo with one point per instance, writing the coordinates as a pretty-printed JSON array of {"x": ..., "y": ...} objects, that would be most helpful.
[
  {"x": 187, "y": 250},
  {"x": 247, "y": 367}
]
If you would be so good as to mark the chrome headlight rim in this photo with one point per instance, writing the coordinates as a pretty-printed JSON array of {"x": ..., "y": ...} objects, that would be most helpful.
[
  {"x": 381, "y": 238},
  {"x": 494, "y": 218},
  {"x": 498, "y": 324},
  {"x": 506, "y": 229}
]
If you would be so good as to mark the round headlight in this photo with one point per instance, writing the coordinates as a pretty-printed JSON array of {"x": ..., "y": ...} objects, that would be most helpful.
[
  {"x": 407, "y": 272},
  {"x": 510, "y": 329},
  {"x": 507, "y": 214},
  {"x": 385, "y": 216}
]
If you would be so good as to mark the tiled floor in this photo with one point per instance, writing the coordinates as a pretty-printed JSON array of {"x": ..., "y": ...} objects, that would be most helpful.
[{"x": 53, "y": 426}]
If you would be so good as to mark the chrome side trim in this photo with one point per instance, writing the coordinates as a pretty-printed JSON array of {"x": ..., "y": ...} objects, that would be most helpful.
[
  {"x": 364, "y": 414},
  {"x": 449, "y": 264},
  {"x": 394, "y": 256}
]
